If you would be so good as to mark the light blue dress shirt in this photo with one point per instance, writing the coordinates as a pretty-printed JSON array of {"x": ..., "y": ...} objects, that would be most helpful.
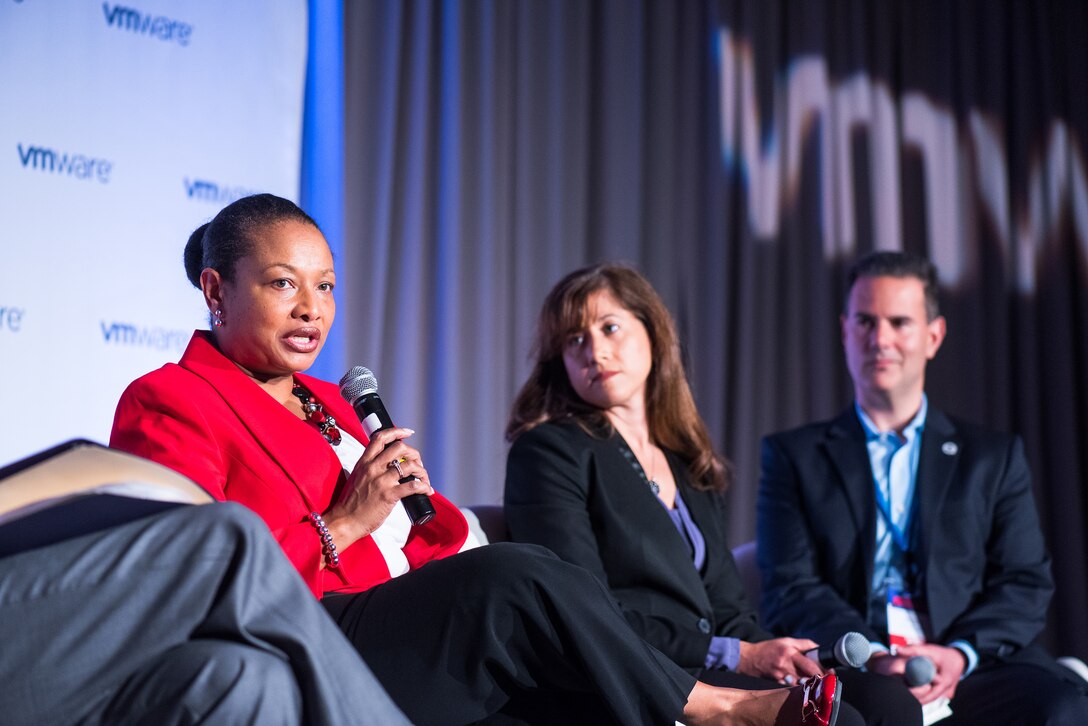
[{"x": 894, "y": 461}]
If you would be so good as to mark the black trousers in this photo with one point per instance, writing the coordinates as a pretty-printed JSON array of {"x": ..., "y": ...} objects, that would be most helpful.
[
  {"x": 189, "y": 616},
  {"x": 508, "y": 632},
  {"x": 1030, "y": 688}
]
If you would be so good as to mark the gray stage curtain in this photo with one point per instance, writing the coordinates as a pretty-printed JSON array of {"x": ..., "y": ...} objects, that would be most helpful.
[{"x": 741, "y": 154}]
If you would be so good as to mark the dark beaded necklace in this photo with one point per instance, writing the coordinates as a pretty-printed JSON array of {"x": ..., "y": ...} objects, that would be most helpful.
[
  {"x": 325, "y": 423},
  {"x": 633, "y": 461}
]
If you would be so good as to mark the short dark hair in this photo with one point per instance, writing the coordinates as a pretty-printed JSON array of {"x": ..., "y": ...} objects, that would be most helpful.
[
  {"x": 229, "y": 237},
  {"x": 896, "y": 264}
]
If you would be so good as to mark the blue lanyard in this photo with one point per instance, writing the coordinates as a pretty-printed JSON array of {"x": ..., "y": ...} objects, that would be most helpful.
[{"x": 901, "y": 535}]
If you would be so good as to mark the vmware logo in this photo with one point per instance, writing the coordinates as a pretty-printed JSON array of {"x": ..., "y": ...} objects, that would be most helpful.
[
  {"x": 11, "y": 318},
  {"x": 208, "y": 191},
  {"x": 153, "y": 26},
  {"x": 134, "y": 336},
  {"x": 52, "y": 161}
]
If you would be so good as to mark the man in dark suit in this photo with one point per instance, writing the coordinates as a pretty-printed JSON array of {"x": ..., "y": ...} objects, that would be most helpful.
[{"x": 916, "y": 529}]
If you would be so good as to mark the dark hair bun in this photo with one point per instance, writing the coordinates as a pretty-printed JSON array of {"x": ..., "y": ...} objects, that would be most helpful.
[
  {"x": 194, "y": 255},
  {"x": 230, "y": 237}
]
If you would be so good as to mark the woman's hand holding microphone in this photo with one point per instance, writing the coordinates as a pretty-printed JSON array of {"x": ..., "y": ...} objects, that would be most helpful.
[{"x": 375, "y": 487}]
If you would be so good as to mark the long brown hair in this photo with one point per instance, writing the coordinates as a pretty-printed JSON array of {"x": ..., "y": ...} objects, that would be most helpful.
[{"x": 674, "y": 421}]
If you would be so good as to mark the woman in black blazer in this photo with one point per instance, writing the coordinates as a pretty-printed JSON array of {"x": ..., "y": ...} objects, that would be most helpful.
[{"x": 612, "y": 468}]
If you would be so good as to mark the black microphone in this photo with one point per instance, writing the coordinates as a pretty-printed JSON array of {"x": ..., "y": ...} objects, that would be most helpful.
[
  {"x": 919, "y": 671},
  {"x": 359, "y": 387},
  {"x": 851, "y": 650}
]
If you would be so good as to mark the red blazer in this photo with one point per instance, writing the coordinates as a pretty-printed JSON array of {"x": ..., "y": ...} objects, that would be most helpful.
[{"x": 206, "y": 419}]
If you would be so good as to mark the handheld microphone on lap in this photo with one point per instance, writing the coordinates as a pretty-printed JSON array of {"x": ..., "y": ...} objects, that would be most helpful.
[
  {"x": 919, "y": 671},
  {"x": 359, "y": 387},
  {"x": 851, "y": 650}
]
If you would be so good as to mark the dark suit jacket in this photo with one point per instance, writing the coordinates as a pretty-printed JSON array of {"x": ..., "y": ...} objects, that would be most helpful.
[
  {"x": 577, "y": 495},
  {"x": 984, "y": 568}
]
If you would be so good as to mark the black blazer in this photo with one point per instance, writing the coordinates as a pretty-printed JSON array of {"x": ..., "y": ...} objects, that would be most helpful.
[
  {"x": 984, "y": 567},
  {"x": 577, "y": 495}
]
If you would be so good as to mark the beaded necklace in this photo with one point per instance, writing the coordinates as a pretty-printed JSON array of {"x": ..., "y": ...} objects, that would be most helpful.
[
  {"x": 633, "y": 461},
  {"x": 325, "y": 423}
]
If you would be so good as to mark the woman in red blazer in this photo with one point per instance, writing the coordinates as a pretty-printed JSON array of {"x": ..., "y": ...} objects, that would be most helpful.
[{"x": 500, "y": 629}]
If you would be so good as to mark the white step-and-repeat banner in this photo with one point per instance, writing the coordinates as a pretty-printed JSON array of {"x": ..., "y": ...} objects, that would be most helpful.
[{"x": 122, "y": 128}]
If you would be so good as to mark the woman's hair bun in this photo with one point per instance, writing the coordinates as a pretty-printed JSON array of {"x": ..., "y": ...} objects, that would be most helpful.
[
  {"x": 194, "y": 255},
  {"x": 230, "y": 237}
]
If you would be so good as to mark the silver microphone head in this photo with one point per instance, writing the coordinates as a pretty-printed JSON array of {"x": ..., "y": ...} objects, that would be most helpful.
[
  {"x": 356, "y": 383},
  {"x": 919, "y": 671},
  {"x": 852, "y": 650}
]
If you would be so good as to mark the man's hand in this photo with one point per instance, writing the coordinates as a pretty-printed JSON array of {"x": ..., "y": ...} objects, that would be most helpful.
[
  {"x": 781, "y": 659},
  {"x": 949, "y": 662}
]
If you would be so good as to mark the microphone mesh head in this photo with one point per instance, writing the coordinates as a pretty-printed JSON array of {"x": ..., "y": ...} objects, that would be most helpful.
[
  {"x": 919, "y": 671},
  {"x": 852, "y": 650},
  {"x": 356, "y": 383}
]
